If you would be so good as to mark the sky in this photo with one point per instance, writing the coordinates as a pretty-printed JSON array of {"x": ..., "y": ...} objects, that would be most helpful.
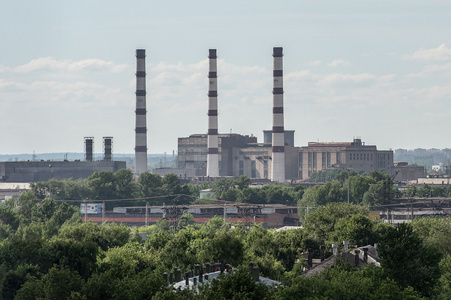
[{"x": 377, "y": 70}]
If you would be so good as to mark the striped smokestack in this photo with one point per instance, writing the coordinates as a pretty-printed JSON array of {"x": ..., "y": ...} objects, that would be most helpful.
[
  {"x": 141, "y": 127},
  {"x": 212, "y": 147},
  {"x": 278, "y": 143}
]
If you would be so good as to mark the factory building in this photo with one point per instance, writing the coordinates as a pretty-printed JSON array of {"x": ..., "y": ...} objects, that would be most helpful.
[
  {"x": 34, "y": 171},
  {"x": 242, "y": 155},
  {"x": 352, "y": 155},
  {"x": 192, "y": 153}
]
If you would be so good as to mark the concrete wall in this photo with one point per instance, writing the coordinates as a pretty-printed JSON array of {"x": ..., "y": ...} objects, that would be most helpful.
[{"x": 30, "y": 171}]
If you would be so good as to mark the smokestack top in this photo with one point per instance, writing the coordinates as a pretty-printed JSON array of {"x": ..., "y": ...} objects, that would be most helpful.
[
  {"x": 277, "y": 52},
  {"x": 140, "y": 53},
  {"x": 212, "y": 53}
]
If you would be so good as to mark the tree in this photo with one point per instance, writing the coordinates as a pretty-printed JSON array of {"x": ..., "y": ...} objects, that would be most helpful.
[
  {"x": 9, "y": 217},
  {"x": 221, "y": 186},
  {"x": 107, "y": 235},
  {"x": 103, "y": 185},
  {"x": 171, "y": 184},
  {"x": 25, "y": 204},
  {"x": 225, "y": 246},
  {"x": 79, "y": 256},
  {"x": 319, "y": 195},
  {"x": 149, "y": 185},
  {"x": 125, "y": 184},
  {"x": 44, "y": 210},
  {"x": 238, "y": 285},
  {"x": 375, "y": 194},
  {"x": 185, "y": 220},
  {"x": 242, "y": 182},
  {"x": 77, "y": 189},
  {"x": 343, "y": 282},
  {"x": 408, "y": 261},
  {"x": 435, "y": 232},
  {"x": 60, "y": 283},
  {"x": 358, "y": 229},
  {"x": 321, "y": 222}
]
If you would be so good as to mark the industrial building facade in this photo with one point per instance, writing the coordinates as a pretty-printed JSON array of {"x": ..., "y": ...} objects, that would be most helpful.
[
  {"x": 34, "y": 171},
  {"x": 242, "y": 155}
]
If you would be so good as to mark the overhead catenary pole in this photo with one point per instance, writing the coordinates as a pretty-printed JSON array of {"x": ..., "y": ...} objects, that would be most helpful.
[{"x": 103, "y": 211}]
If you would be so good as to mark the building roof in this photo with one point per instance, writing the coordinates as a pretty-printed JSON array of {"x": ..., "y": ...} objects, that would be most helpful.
[{"x": 214, "y": 275}]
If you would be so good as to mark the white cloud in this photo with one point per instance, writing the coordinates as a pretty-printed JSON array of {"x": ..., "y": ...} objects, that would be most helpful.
[
  {"x": 315, "y": 63},
  {"x": 442, "y": 53},
  {"x": 431, "y": 70},
  {"x": 338, "y": 63},
  {"x": 356, "y": 80},
  {"x": 51, "y": 64},
  {"x": 177, "y": 94}
]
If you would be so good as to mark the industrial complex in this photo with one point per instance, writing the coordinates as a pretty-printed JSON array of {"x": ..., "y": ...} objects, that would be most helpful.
[{"x": 214, "y": 154}]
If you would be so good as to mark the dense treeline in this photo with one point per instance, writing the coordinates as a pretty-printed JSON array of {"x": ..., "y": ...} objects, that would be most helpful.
[
  {"x": 47, "y": 252},
  {"x": 373, "y": 189}
]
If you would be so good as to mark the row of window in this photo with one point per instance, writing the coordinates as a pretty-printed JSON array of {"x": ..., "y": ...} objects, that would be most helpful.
[{"x": 360, "y": 156}]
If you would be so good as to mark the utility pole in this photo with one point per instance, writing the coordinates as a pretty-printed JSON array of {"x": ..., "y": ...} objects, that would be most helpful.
[
  {"x": 50, "y": 189},
  {"x": 147, "y": 212},
  {"x": 86, "y": 212}
]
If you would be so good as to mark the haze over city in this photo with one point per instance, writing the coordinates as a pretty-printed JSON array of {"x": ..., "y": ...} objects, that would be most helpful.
[{"x": 378, "y": 71}]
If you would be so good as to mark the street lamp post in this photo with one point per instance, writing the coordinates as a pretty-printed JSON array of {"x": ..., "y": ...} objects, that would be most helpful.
[{"x": 349, "y": 179}]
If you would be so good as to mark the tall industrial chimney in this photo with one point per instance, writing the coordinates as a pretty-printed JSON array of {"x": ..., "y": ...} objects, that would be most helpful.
[
  {"x": 107, "y": 148},
  {"x": 89, "y": 146},
  {"x": 141, "y": 127},
  {"x": 278, "y": 141},
  {"x": 212, "y": 143}
]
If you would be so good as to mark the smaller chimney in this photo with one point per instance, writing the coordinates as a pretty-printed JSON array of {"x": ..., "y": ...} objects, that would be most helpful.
[
  {"x": 335, "y": 249},
  {"x": 356, "y": 257},
  {"x": 218, "y": 267},
  {"x": 89, "y": 146},
  {"x": 365, "y": 254},
  {"x": 194, "y": 281},
  {"x": 208, "y": 267},
  {"x": 171, "y": 280},
  {"x": 107, "y": 148},
  {"x": 166, "y": 277},
  {"x": 201, "y": 277},
  {"x": 228, "y": 269},
  {"x": 322, "y": 252},
  {"x": 346, "y": 245},
  {"x": 255, "y": 271},
  {"x": 310, "y": 258},
  {"x": 178, "y": 275},
  {"x": 187, "y": 278}
]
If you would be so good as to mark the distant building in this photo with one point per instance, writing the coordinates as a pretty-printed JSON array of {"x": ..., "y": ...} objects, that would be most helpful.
[
  {"x": 10, "y": 190},
  {"x": 406, "y": 172},
  {"x": 434, "y": 179}
]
